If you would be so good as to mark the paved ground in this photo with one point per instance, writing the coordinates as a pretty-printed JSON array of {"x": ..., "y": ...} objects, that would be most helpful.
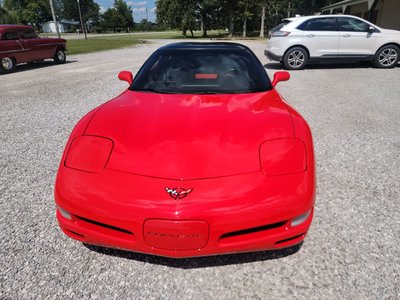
[{"x": 352, "y": 250}]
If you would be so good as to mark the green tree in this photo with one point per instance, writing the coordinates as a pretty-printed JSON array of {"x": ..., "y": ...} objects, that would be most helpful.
[
  {"x": 112, "y": 19},
  {"x": 34, "y": 12},
  {"x": 180, "y": 14},
  {"x": 247, "y": 9},
  {"x": 90, "y": 10},
  {"x": 209, "y": 14},
  {"x": 125, "y": 14},
  {"x": 230, "y": 7},
  {"x": 6, "y": 17},
  {"x": 248, "y": 14}
]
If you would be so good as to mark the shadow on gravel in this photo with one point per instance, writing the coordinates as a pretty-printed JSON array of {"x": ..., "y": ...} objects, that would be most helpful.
[
  {"x": 363, "y": 65},
  {"x": 35, "y": 66},
  {"x": 198, "y": 262}
]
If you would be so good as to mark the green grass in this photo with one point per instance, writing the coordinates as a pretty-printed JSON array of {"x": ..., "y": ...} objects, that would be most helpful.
[
  {"x": 103, "y": 42},
  {"x": 99, "y": 44}
]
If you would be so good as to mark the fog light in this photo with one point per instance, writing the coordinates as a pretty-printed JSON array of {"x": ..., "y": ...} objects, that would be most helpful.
[
  {"x": 65, "y": 214},
  {"x": 301, "y": 219}
]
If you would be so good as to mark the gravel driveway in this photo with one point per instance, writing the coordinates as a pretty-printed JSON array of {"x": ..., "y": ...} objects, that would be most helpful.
[{"x": 352, "y": 250}]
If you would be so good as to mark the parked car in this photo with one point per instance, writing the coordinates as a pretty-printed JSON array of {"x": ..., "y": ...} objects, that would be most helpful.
[
  {"x": 20, "y": 44},
  {"x": 199, "y": 156},
  {"x": 332, "y": 38}
]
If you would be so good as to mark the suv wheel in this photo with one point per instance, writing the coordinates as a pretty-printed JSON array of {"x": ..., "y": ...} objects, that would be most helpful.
[
  {"x": 295, "y": 58},
  {"x": 60, "y": 57},
  {"x": 387, "y": 57},
  {"x": 7, "y": 64}
]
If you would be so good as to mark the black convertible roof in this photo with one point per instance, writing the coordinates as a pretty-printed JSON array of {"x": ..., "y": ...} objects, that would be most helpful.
[{"x": 204, "y": 45}]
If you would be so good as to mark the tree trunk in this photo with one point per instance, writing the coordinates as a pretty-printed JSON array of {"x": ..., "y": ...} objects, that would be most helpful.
[
  {"x": 191, "y": 32},
  {"x": 244, "y": 27},
  {"x": 203, "y": 22},
  {"x": 184, "y": 32},
  {"x": 262, "y": 22},
  {"x": 231, "y": 20}
]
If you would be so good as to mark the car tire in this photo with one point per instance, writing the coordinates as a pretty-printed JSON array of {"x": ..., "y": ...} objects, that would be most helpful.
[
  {"x": 295, "y": 58},
  {"x": 7, "y": 64},
  {"x": 387, "y": 57},
  {"x": 60, "y": 57}
]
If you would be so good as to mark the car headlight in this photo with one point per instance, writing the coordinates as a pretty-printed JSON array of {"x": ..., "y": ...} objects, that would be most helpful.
[
  {"x": 89, "y": 153},
  {"x": 283, "y": 157},
  {"x": 300, "y": 219}
]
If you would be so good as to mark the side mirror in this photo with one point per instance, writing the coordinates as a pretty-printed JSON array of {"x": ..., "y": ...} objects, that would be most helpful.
[
  {"x": 280, "y": 76},
  {"x": 371, "y": 29},
  {"x": 126, "y": 76}
]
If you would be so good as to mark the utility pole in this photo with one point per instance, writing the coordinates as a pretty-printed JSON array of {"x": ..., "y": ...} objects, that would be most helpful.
[
  {"x": 54, "y": 18},
  {"x": 147, "y": 20},
  {"x": 80, "y": 16}
]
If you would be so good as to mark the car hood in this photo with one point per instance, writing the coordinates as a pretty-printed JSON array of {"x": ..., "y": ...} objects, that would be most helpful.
[
  {"x": 190, "y": 136},
  {"x": 391, "y": 32}
]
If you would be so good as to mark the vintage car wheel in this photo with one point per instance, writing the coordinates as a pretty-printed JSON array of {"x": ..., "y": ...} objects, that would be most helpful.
[
  {"x": 7, "y": 64},
  {"x": 60, "y": 57}
]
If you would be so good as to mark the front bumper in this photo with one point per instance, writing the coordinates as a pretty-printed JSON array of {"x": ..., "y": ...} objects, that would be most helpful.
[{"x": 224, "y": 215}]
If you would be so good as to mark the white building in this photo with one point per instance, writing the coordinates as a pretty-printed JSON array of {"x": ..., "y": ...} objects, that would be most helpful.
[{"x": 63, "y": 26}]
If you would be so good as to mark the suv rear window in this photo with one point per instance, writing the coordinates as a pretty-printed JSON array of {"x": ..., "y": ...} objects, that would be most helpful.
[
  {"x": 278, "y": 27},
  {"x": 319, "y": 24},
  {"x": 12, "y": 35}
]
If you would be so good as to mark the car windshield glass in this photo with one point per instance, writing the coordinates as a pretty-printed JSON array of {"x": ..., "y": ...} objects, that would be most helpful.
[
  {"x": 28, "y": 34},
  {"x": 202, "y": 71}
]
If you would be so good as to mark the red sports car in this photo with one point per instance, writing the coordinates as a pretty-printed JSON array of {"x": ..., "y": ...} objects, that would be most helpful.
[
  {"x": 199, "y": 156},
  {"x": 20, "y": 44}
]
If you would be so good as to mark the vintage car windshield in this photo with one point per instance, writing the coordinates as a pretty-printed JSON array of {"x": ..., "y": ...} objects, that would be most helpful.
[{"x": 202, "y": 71}]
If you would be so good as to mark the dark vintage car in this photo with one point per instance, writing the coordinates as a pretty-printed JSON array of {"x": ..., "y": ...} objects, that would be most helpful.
[{"x": 20, "y": 44}]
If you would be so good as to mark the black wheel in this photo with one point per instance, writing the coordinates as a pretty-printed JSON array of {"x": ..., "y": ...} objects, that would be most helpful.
[
  {"x": 60, "y": 57},
  {"x": 387, "y": 57},
  {"x": 7, "y": 64},
  {"x": 295, "y": 58}
]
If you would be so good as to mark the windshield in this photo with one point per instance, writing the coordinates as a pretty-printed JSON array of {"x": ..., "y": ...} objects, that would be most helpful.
[{"x": 202, "y": 71}]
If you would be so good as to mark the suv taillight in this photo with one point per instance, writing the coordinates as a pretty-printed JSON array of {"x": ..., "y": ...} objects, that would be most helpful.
[{"x": 280, "y": 33}]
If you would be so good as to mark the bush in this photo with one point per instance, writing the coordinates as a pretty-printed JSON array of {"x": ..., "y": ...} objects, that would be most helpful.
[{"x": 97, "y": 29}]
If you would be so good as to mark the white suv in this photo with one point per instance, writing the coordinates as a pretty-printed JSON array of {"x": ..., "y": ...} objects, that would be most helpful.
[{"x": 332, "y": 38}]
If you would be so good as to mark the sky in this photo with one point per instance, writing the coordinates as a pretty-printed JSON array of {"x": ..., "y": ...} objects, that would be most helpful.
[{"x": 138, "y": 7}]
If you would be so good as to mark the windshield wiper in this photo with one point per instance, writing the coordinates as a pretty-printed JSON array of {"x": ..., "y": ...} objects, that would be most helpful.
[{"x": 151, "y": 91}]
